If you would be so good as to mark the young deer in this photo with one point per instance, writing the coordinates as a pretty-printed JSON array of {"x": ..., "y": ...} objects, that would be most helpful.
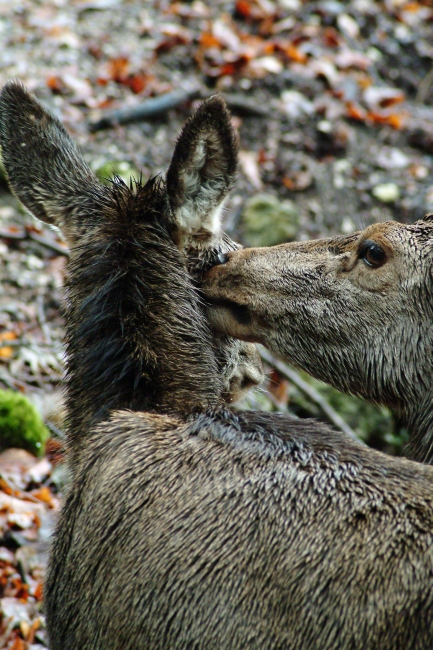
[
  {"x": 189, "y": 525},
  {"x": 355, "y": 311}
]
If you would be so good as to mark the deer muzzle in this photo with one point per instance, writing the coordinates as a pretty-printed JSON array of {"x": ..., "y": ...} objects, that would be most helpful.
[{"x": 229, "y": 310}]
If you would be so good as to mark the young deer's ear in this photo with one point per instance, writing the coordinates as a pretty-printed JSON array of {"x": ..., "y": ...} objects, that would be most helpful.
[
  {"x": 44, "y": 168},
  {"x": 202, "y": 170}
]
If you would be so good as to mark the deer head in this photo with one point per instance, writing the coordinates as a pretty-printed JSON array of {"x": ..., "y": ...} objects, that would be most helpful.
[{"x": 355, "y": 311}]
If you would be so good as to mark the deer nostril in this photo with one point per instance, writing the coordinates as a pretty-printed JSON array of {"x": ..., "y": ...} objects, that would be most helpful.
[
  {"x": 213, "y": 261},
  {"x": 217, "y": 259},
  {"x": 221, "y": 258}
]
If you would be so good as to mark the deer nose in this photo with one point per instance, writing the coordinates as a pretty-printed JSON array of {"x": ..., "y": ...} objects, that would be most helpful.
[{"x": 219, "y": 258}]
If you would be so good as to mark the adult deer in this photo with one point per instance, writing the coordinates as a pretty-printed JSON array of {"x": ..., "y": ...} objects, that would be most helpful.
[
  {"x": 355, "y": 311},
  {"x": 189, "y": 525}
]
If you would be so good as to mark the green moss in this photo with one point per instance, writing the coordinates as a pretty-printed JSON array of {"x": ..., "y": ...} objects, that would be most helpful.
[
  {"x": 122, "y": 168},
  {"x": 20, "y": 423},
  {"x": 267, "y": 221}
]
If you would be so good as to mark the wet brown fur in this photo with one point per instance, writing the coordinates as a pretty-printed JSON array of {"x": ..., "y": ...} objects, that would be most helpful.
[{"x": 190, "y": 525}]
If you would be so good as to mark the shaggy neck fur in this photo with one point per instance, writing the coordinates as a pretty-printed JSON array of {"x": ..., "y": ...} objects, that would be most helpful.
[{"x": 123, "y": 275}]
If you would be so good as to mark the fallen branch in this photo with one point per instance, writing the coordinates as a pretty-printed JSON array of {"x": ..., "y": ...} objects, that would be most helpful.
[
  {"x": 424, "y": 88},
  {"x": 12, "y": 233},
  {"x": 19, "y": 234},
  {"x": 58, "y": 433},
  {"x": 18, "y": 492},
  {"x": 245, "y": 106},
  {"x": 49, "y": 243},
  {"x": 9, "y": 382},
  {"x": 42, "y": 318},
  {"x": 310, "y": 392},
  {"x": 280, "y": 406},
  {"x": 147, "y": 109}
]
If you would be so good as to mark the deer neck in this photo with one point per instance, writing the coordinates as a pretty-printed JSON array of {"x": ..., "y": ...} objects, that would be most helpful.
[
  {"x": 419, "y": 419},
  {"x": 135, "y": 336},
  {"x": 417, "y": 406}
]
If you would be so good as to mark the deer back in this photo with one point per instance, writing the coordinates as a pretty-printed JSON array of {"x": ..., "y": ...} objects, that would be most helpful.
[{"x": 241, "y": 530}]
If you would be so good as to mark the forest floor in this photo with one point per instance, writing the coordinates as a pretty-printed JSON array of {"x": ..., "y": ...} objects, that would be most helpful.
[{"x": 333, "y": 102}]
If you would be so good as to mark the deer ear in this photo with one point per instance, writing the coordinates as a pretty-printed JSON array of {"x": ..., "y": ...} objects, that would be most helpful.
[
  {"x": 44, "y": 168},
  {"x": 202, "y": 170}
]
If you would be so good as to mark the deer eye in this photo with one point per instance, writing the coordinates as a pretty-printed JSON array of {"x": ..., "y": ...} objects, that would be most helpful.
[{"x": 372, "y": 254}]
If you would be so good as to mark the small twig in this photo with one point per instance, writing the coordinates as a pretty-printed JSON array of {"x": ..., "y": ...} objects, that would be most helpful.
[
  {"x": 149, "y": 108},
  {"x": 22, "y": 493},
  {"x": 278, "y": 405},
  {"x": 310, "y": 392},
  {"x": 49, "y": 243},
  {"x": 22, "y": 233},
  {"x": 245, "y": 106},
  {"x": 24, "y": 343},
  {"x": 9, "y": 382},
  {"x": 24, "y": 386},
  {"x": 354, "y": 45},
  {"x": 18, "y": 233},
  {"x": 8, "y": 625},
  {"x": 55, "y": 430},
  {"x": 42, "y": 319},
  {"x": 424, "y": 88}
]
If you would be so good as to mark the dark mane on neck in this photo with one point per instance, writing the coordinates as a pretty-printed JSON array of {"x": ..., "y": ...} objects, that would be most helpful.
[{"x": 125, "y": 274}]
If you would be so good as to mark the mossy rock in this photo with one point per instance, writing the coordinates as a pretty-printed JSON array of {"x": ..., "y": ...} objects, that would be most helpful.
[
  {"x": 20, "y": 424},
  {"x": 267, "y": 221},
  {"x": 121, "y": 168}
]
